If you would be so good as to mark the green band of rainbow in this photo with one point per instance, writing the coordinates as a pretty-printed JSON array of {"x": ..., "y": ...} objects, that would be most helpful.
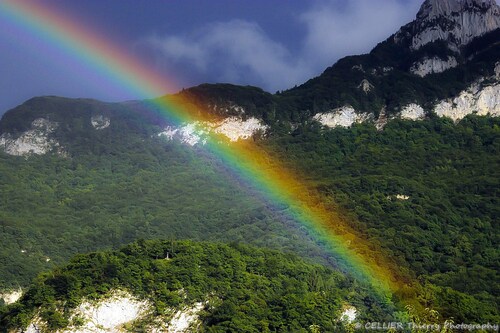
[{"x": 263, "y": 172}]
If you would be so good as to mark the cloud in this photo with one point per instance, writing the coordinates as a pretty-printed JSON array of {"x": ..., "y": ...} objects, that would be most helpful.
[
  {"x": 234, "y": 51},
  {"x": 334, "y": 31},
  {"x": 240, "y": 51},
  {"x": 177, "y": 48},
  {"x": 248, "y": 52}
]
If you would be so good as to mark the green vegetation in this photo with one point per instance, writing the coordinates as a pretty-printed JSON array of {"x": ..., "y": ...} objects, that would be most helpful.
[
  {"x": 446, "y": 232},
  {"x": 248, "y": 289},
  {"x": 118, "y": 185},
  {"x": 253, "y": 100},
  {"x": 123, "y": 183}
]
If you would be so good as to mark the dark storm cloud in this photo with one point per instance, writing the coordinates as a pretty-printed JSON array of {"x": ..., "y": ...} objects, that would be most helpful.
[
  {"x": 273, "y": 44},
  {"x": 234, "y": 51},
  {"x": 240, "y": 51}
]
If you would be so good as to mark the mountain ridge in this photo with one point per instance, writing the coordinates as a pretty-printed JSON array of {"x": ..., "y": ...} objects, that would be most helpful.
[{"x": 395, "y": 80}]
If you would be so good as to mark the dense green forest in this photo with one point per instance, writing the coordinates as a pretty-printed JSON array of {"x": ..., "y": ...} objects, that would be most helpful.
[
  {"x": 109, "y": 193},
  {"x": 123, "y": 183},
  {"x": 444, "y": 225},
  {"x": 248, "y": 289}
]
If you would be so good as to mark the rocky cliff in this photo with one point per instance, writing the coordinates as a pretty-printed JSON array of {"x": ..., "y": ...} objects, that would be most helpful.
[{"x": 457, "y": 22}]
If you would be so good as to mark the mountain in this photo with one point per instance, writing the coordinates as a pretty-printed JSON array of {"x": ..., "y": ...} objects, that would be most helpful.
[
  {"x": 444, "y": 63},
  {"x": 442, "y": 58},
  {"x": 403, "y": 141},
  {"x": 83, "y": 175}
]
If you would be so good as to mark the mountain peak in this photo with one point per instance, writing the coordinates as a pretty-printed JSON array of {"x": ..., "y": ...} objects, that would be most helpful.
[
  {"x": 434, "y": 8},
  {"x": 456, "y": 22}
]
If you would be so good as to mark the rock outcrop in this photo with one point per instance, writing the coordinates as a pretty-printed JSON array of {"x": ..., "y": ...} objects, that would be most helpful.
[
  {"x": 478, "y": 99},
  {"x": 11, "y": 296},
  {"x": 37, "y": 140},
  {"x": 475, "y": 100},
  {"x": 112, "y": 314},
  {"x": 456, "y": 22},
  {"x": 366, "y": 86},
  {"x": 234, "y": 128},
  {"x": 100, "y": 122},
  {"x": 344, "y": 117},
  {"x": 433, "y": 65},
  {"x": 412, "y": 112}
]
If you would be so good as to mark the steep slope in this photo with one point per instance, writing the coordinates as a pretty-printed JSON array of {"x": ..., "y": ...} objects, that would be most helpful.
[
  {"x": 164, "y": 286},
  {"x": 449, "y": 55},
  {"x": 71, "y": 126},
  {"x": 433, "y": 180},
  {"x": 67, "y": 126},
  {"x": 105, "y": 178},
  {"x": 455, "y": 41},
  {"x": 227, "y": 100},
  {"x": 456, "y": 22},
  {"x": 425, "y": 191}
]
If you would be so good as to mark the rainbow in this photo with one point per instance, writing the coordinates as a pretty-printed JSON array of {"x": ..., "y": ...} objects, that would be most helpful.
[{"x": 260, "y": 170}]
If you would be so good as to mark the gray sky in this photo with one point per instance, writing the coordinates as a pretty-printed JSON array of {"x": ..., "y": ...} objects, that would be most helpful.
[{"x": 274, "y": 44}]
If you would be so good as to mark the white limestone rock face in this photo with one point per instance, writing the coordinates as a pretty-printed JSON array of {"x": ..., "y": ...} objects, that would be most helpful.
[
  {"x": 433, "y": 65},
  {"x": 179, "y": 321},
  {"x": 190, "y": 134},
  {"x": 344, "y": 117},
  {"x": 33, "y": 327},
  {"x": 105, "y": 316},
  {"x": 110, "y": 314},
  {"x": 114, "y": 313},
  {"x": 169, "y": 132},
  {"x": 456, "y": 22},
  {"x": 387, "y": 69},
  {"x": 185, "y": 320},
  {"x": 236, "y": 129},
  {"x": 412, "y": 112},
  {"x": 348, "y": 314},
  {"x": 100, "y": 122},
  {"x": 402, "y": 197},
  {"x": 36, "y": 140},
  {"x": 11, "y": 296},
  {"x": 478, "y": 100},
  {"x": 366, "y": 86},
  {"x": 229, "y": 108},
  {"x": 381, "y": 120}
]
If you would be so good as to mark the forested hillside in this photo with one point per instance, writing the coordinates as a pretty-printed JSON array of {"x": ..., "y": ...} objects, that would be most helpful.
[
  {"x": 426, "y": 191},
  {"x": 113, "y": 186},
  {"x": 242, "y": 289}
]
